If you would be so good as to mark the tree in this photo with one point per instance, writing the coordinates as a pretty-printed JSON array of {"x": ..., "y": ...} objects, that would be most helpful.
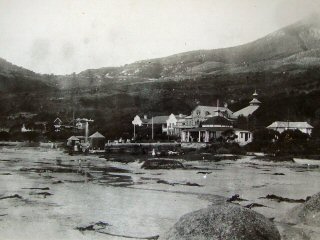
[{"x": 4, "y": 136}]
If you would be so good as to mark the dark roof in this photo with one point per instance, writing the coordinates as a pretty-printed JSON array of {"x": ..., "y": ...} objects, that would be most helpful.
[
  {"x": 217, "y": 120},
  {"x": 279, "y": 124},
  {"x": 247, "y": 111},
  {"x": 158, "y": 120},
  {"x": 254, "y": 101},
  {"x": 212, "y": 129},
  {"x": 73, "y": 138},
  {"x": 97, "y": 135}
]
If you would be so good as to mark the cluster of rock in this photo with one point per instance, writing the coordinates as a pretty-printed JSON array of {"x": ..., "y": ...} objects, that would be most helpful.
[
  {"x": 225, "y": 221},
  {"x": 303, "y": 220},
  {"x": 230, "y": 221}
]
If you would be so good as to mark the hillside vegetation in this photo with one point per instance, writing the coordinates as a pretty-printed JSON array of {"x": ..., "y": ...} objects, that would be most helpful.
[{"x": 282, "y": 66}]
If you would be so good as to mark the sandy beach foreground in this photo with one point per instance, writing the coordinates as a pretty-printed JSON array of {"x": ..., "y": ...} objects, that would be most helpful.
[{"x": 47, "y": 194}]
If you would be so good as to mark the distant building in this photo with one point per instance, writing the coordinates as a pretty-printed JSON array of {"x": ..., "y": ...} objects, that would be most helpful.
[
  {"x": 204, "y": 124},
  {"x": 72, "y": 141},
  {"x": 40, "y": 126},
  {"x": 175, "y": 123},
  {"x": 160, "y": 121},
  {"x": 97, "y": 141},
  {"x": 24, "y": 129},
  {"x": 254, "y": 104},
  {"x": 137, "y": 121},
  {"x": 145, "y": 125},
  {"x": 202, "y": 113},
  {"x": 4, "y": 129},
  {"x": 282, "y": 126},
  {"x": 209, "y": 130},
  {"x": 243, "y": 136},
  {"x": 212, "y": 129}
]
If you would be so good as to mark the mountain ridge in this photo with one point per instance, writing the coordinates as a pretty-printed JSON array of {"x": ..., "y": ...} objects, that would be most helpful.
[{"x": 278, "y": 66}]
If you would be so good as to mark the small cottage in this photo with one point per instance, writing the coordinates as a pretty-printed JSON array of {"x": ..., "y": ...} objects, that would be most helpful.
[
  {"x": 97, "y": 141},
  {"x": 72, "y": 141},
  {"x": 282, "y": 126},
  {"x": 254, "y": 104},
  {"x": 243, "y": 136}
]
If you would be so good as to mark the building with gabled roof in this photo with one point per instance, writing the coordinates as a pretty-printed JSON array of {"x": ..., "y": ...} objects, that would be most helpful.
[
  {"x": 202, "y": 113},
  {"x": 97, "y": 141},
  {"x": 217, "y": 121},
  {"x": 281, "y": 126},
  {"x": 254, "y": 104},
  {"x": 175, "y": 123}
]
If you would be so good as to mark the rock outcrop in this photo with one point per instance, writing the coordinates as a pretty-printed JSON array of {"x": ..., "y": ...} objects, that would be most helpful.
[
  {"x": 307, "y": 213},
  {"x": 225, "y": 221},
  {"x": 303, "y": 221}
]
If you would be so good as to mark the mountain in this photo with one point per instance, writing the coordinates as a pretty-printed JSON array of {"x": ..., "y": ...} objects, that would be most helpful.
[
  {"x": 282, "y": 66},
  {"x": 18, "y": 79},
  {"x": 292, "y": 48}
]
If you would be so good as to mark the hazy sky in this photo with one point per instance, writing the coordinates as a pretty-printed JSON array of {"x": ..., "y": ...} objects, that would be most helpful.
[{"x": 65, "y": 36}]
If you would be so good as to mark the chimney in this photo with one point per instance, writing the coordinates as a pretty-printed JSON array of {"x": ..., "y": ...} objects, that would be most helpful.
[
  {"x": 226, "y": 105},
  {"x": 180, "y": 114},
  {"x": 145, "y": 117}
]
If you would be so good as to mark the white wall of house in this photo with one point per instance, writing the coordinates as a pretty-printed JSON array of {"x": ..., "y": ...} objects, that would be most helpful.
[
  {"x": 137, "y": 121},
  {"x": 243, "y": 137},
  {"x": 282, "y": 129},
  {"x": 24, "y": 129},
  {"x": 171, "y": 123}
]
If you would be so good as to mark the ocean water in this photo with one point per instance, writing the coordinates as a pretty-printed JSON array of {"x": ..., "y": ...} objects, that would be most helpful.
[{"x": 131, "y": 201}]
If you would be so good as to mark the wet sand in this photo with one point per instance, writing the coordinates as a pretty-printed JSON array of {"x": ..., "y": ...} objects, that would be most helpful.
[{"x": 52, "y": 195}]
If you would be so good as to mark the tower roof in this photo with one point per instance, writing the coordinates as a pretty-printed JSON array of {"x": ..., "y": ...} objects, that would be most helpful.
[
  {"x": 254, "y": 101},
  {"x": 255, "y": 94},
  {"x": 97, "y": 135}
]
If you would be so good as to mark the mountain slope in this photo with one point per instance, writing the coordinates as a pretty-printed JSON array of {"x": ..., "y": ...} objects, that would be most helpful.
[
  {"x": 282, "y": 67},
  {"x": 18, "y": 79},
  {"x": 296, "y": 46}
]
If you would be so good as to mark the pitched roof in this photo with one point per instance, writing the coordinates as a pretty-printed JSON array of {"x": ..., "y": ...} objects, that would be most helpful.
[
  {"x": 97, "y": 135},
  {"x": 279, "y": 124},
  {"x": 217, "y": 120},
  {"x": 249, "y": 110},
  {"x": 57, "y": 120},
  {"x": 179, "y": 116},
  {"x": 159, "y": 120},
  {"x": 212, "y": 109},
  {"x": 144, "y": 120},
  {"x": 254, "y": 101},
  {"x": 213, "y": 129},
  {"x": 73, "y": 138}
]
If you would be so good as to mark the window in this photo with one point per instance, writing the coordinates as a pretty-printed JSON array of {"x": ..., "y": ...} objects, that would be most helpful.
[
  {"x": 246, "y": 136},
  {"x": 198, "y": 112},
  {"x": 207, "y": 113}
]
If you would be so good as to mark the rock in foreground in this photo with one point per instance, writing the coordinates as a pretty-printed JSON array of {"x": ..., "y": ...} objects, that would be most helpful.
[
  {"x": 161, "y": 164},
  {"x": 303, "y": 221},
  {"x": 226, "y": 221},
  {"x": 307, "y": 213}
]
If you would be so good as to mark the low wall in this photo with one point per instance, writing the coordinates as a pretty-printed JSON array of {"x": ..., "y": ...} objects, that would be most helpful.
[
  {"x": 140, "y": 147},
  {"x": 194, "y": 145}
]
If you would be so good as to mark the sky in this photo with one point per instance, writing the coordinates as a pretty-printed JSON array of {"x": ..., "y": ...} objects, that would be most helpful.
[{"x": 65, "y": 36}]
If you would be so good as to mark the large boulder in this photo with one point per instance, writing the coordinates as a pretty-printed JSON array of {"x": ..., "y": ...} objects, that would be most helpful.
[
  {"x": 307, "y": 213},
  {"x": 225, "y": 221},
  {"x": 303, "y": 221},
  {"x": 162, "y": 164}
]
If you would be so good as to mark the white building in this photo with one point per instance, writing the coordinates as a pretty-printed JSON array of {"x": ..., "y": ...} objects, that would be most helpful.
[
  {"x": 203, "y": 113},
  {"x": 282, "y": 126},
  {"x": 214, "y": 128},
  {"x": 175, "y": 123},
  {"x": 243, "y": 136},
  {"x": 254, "y": 104},
  {"x": 24, "y": 129}
]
